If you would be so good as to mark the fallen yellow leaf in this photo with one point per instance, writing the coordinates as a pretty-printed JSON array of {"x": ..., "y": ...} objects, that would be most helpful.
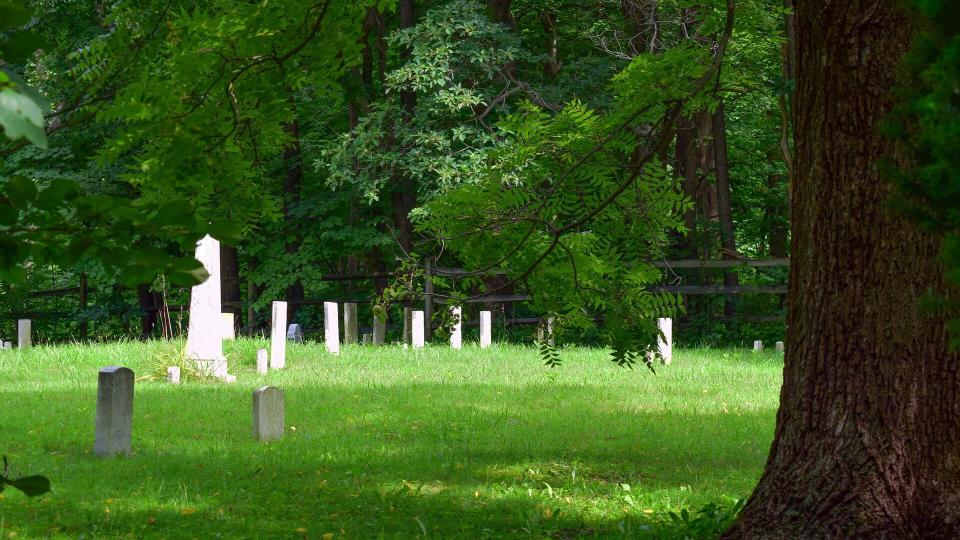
[
  {"x": 301, "y": 530},
  {"x": 327, "y": 536},
  {"x": 187, "y": 511}
]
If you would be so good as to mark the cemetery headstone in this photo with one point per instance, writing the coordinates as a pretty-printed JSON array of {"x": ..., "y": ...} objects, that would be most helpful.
[
  {"x": 780, "y": 347},
  {"x": 366, "y": 339},
  {"x": 205, "y": 330},
  {"x": 173, "y": 375},
  {"x": 114, "y": 423},
  {"x": 262, "y": 361},
  {"x": 456, "y": 333},
  {"x": 486, "y": 328},
  {"x": 295, "y": 333},
  {"x": 351, "y": 326},
  {"x": 7, "y": 345},
  {"x": 229, "y": 330},
  {"x": 417, "y": 337},
  {"x": 331, "y": 327},
  {"x": 278, "y": 337},
  {"x": 665, "y": 342},
  {"x": 379, "y": 330},
  {"x": 757, "y": 346},
  {"x": 268, "y": 412},
  {"x": 24, "y": 339}
]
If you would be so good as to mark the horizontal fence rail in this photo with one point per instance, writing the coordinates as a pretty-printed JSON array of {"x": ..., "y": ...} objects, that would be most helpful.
[{"x": 429, "y": 298}]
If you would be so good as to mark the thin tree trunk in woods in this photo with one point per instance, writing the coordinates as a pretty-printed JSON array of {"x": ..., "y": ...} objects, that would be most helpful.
[
  {"x": 551, "y": 65},
  {"x": 776, "y": 217},
  {"x": 292, "y": 184},
  {"x": 230, "y": 283},
  {"x": 728, "y": 241},
  {"x": 499, "y": 11},
  {"x": 148, "y": 315},
  {"x": 404, "y": 195},
  {"x": 867, "y": 443}
]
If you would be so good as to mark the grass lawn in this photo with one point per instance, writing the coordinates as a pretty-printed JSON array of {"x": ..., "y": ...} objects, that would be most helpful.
[{"x": 385, "y": 442}]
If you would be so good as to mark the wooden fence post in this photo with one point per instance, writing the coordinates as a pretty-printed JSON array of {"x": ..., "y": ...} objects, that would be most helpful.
[
  {"x": 83, "y": 306},
  {"x": 428, "y": 302}
]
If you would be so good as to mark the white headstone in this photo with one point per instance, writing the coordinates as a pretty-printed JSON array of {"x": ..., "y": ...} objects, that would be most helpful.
[
  {"x": 486, "y": 328},
  {"x": 780, "y": 347},
  {"x": 379, "y": 330},
  {"x": 114, "y": 422},
  {"x": 665, "y": 343},
  {"x": 24, "y": 340},
  {"x": 456, "y": 332},
  {"x": 416, "y": 336},
  {"x": 7, "y": 345},
  {"x": 262, "y": 361},
  {"x": 278, "y": 336},
  {"x": 268, "y": 412},
  {"x": 229, "y": 330},
  {"x": 331, "y": 327},
  {"x": 205, "y": 331},
  {"x": 757, "y": 346},
  {"x": 351, "y": 325},
  {"x": 295, "y": 333},
  {"x": 173, "y": 375}
]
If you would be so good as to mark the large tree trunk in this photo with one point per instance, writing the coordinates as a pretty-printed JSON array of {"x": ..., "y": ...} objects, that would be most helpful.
[{"x": 867, "y": 443}]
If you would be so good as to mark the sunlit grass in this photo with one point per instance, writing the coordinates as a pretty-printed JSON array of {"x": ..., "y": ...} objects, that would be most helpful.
[{"x": 388, "y": 442}]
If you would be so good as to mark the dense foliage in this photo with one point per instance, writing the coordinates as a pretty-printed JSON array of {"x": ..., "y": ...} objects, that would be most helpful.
[
  {"x": 927, "y": 124},
  {"x": 548, "y": 149}
]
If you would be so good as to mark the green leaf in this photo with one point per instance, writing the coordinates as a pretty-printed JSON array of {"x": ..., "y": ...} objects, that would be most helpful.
[
  {"x": 21, "y": 117},
  {"x": 13, "y": 14},
  {"x": 22, "y": 191},
  {"x": 31, "y": 486}
]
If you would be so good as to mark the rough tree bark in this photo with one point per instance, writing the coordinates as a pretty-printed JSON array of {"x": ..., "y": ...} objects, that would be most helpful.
[{"x": 867, "y": 443}]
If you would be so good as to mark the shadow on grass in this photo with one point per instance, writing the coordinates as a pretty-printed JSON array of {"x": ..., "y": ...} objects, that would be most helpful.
[{"x": 440, "y": 460}]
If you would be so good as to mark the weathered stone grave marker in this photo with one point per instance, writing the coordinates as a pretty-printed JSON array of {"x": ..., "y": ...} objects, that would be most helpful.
[
  {"x": 456, "y": 333},
  {"x": 229, "y": 330},
  {"x": 24, "y": 339},
  {"x": 486, "y": 328},
  {"x": 295, "y": 333},
  {"x": 757, "y": 346},
  {"x": 780, "y": 347},
  {"x": 173, "y": 375},
  {"x": 7, "y": 345},
  {"x": 366, "y": 339},
  {"x": 351, "y": 326},
  {"x": 331, "y": 327},
  {"x": 268, "y": 412},
  {"x": 379, "y": 330},
  {"x": 262, "y": 361},
  {"x": 114, "y": 423},
  {"x": 278, "y": 338},
  {"x": 417, "y": 336}
]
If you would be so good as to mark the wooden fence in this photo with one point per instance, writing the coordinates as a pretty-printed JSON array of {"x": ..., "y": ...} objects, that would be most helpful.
[{"x": 430, "y": 299}]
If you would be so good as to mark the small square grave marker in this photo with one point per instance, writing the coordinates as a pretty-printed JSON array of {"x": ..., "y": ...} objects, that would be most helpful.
[
  {"x": 268, "y": 412},
  {"x": 114, "y": 423}
]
